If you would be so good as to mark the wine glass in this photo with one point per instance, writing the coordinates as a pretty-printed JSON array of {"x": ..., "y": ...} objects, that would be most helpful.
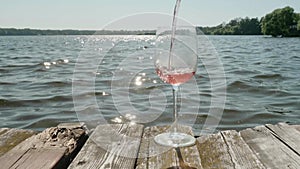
[{"x": 175, "y": 63}]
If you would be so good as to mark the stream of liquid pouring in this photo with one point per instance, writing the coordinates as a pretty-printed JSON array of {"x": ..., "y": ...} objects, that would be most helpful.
[{"x": 174, "y": 23}]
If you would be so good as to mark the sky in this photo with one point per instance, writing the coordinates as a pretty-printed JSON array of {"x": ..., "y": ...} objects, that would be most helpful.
[{"x": 99, "y": 14}]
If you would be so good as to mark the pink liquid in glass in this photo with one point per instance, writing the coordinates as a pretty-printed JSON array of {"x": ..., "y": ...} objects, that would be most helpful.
[{"x": 175, "y": 77}]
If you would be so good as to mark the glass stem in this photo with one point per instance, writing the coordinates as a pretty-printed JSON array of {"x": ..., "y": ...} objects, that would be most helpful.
[{"x": 175, "y": 112}]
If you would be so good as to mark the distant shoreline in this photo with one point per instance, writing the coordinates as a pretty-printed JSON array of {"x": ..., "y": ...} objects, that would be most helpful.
[
  {"x": 47, "y": 32},
  {"x": 41, "y": 32}
]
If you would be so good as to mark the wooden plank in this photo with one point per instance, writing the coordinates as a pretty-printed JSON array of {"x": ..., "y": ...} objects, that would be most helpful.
[
  {"x": 241, "y": 154},
  {"x": 213, "y": 152},
  {"x": 287, "y": 134},
  {"x": 271, "y": 151},
  {"x": 110, "y": 146},
  {"x": 167, "y": 157},
  {"x": 142, "y": 161},
  {"x": 297, "y": 127},
  {"x": 37, "y": 158},
  {"x": 3, "y": 130},
  {"x": 9, "y": 138},
  {"x": 57, "y": 145}
]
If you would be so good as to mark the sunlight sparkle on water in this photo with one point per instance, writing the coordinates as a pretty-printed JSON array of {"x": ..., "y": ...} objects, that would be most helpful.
[
  {"x": 138, "y": 81},
  {"x": 127, "y": 118},
  {"x": 117, "y": 120}
]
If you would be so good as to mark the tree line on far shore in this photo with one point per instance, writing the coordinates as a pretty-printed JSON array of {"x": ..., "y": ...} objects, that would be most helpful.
[{"x": 282, "y": 22}]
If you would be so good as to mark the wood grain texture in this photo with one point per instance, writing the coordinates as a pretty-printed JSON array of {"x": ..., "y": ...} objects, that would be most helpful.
[
  {"x": 241, "y": 154},
  {"x": 270, "y": 151},
  {"x": 213, "y": 152},
  {"x": 53, "y": 148},
  {"x": 297, "y": 127},
  {"x": 142, "y": 161},
  {"x": 133, "y": 146},
  {"x": 166, "y": 157},
  {"x": 35, "y": 159},
  {"x": 287, "y": 134},
  {"x": 110, "y": 146},
  {"x": 3, "y": 130},
  {"x": 9, "y": 138}
]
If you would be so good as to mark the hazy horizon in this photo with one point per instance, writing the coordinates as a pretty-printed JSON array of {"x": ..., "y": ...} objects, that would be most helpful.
[{"x": 96, "y": 15}]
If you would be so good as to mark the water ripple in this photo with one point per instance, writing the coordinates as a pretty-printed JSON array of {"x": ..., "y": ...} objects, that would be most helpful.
[{"x": 37, "y": 72}]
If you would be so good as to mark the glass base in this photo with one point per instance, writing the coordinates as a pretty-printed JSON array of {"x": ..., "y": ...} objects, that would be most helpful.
[{"x": 175, "y": 139}]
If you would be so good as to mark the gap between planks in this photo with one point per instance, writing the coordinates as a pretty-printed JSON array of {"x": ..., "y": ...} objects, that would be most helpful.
[{"x": 272, "y": 152}]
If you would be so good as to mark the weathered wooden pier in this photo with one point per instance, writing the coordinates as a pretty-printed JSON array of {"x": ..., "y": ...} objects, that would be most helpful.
[{"x": 128, "y": 146}]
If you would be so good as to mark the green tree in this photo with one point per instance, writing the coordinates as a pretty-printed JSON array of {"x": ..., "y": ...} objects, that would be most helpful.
[
  {"x": 280, "y": 22},
  {"x": 237, "y": 26},
  {"x": 249, "y": 26},
  {"x": 298, "y": 24}
]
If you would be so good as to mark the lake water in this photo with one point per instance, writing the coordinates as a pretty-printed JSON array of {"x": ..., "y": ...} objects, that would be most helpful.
[{"x": 36, "y": 73}]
